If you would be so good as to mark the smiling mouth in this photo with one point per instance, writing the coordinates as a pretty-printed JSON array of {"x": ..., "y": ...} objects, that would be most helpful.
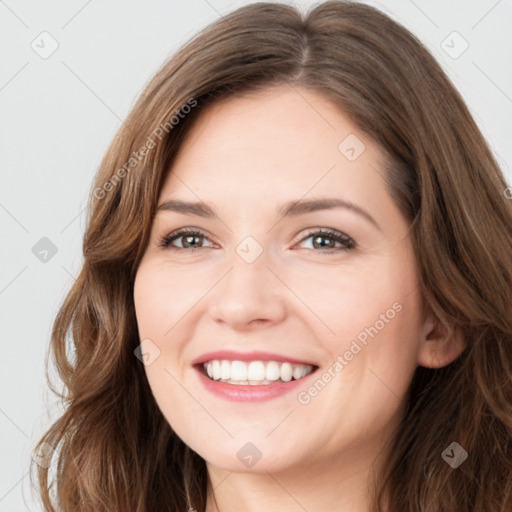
[{"x": 254, "y": 373}]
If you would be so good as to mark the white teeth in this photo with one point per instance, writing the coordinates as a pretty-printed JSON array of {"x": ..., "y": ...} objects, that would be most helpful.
[
  {"x": 215, "y": 369},
  {"x": 238, "y": 370},
  {"x": 286, "y": 372},
  {"x": 299, "y": 371},
  {"x": 225, "y": 370},
  {"x": 273, "y": 371},
  {"x": 255, "y": 372}
]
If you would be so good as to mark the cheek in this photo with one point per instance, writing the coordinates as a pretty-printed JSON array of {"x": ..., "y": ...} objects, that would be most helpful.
[
  {"x": 157, "y": 313},
  {"x": 344, "y": 302},
  {"x": 163, "y": 296},
  {"x": 371, "y": 318},
  {"x": 167, "y": 306},
  {"x": 379, "y": 343}
]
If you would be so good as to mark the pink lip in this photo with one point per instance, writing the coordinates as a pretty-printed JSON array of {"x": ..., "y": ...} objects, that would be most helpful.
[
  {"x": 231, "y": 355},
  {"x": 248, "y": 393}
]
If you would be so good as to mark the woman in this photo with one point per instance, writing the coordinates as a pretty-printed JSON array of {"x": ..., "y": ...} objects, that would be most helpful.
[{"x": 296, "y": 291}]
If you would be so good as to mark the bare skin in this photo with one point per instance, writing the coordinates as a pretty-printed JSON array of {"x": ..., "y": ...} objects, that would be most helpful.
[{"x": 305, "y": 296}]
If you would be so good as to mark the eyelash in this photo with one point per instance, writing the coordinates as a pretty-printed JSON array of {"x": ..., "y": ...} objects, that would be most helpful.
[{"x": 345, "y": 240}]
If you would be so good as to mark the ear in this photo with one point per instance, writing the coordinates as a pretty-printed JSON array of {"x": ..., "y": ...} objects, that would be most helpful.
[{"x": 438, "y": 347}]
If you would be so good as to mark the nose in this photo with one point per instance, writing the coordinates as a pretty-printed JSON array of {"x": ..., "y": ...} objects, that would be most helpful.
[{"x": 250, "y": 296}]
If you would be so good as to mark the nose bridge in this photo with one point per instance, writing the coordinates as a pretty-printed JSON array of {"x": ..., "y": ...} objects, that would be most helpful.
[{"x": 248, "y": 291}]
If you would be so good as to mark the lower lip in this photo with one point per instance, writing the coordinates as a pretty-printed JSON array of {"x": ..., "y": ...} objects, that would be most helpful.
[{"x": 248, "y": 393}]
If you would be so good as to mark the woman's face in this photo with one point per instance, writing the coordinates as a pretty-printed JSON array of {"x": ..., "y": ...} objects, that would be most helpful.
[{"x": 262, "y": 173}]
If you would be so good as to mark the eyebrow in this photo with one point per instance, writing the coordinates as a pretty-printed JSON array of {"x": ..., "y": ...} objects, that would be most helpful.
[{"x": 289, "y": 209}]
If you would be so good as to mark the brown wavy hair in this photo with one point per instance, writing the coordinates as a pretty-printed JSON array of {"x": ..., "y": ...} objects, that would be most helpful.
[{"x": 113, "y": 449}]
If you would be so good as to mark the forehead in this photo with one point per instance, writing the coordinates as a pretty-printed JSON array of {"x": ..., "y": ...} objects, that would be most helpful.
[{"x": 278, "y": 143}]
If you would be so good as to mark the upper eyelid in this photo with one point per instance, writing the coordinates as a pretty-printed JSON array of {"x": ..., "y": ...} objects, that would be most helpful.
[{"x": 178, "y": 233}]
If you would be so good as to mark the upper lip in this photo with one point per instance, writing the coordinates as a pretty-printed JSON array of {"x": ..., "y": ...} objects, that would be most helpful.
[{"x": 232, "y": 355}]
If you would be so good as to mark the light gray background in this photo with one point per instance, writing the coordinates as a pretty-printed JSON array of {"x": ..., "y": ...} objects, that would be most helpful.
[{"x": 58, "y": 115}]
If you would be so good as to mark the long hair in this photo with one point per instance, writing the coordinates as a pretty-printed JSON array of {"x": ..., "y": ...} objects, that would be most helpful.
[{"x": 112, "y": 448}]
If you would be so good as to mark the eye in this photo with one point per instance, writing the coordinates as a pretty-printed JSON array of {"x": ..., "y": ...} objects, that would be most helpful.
[
  {"x": 333, "y": 237},
  {"x": 189, "y": 240}
]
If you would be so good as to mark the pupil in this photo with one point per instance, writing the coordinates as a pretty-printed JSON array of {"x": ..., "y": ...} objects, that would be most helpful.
[
  {"x": 320, "y": 243},
  {"x": 188, "y": 240}
]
